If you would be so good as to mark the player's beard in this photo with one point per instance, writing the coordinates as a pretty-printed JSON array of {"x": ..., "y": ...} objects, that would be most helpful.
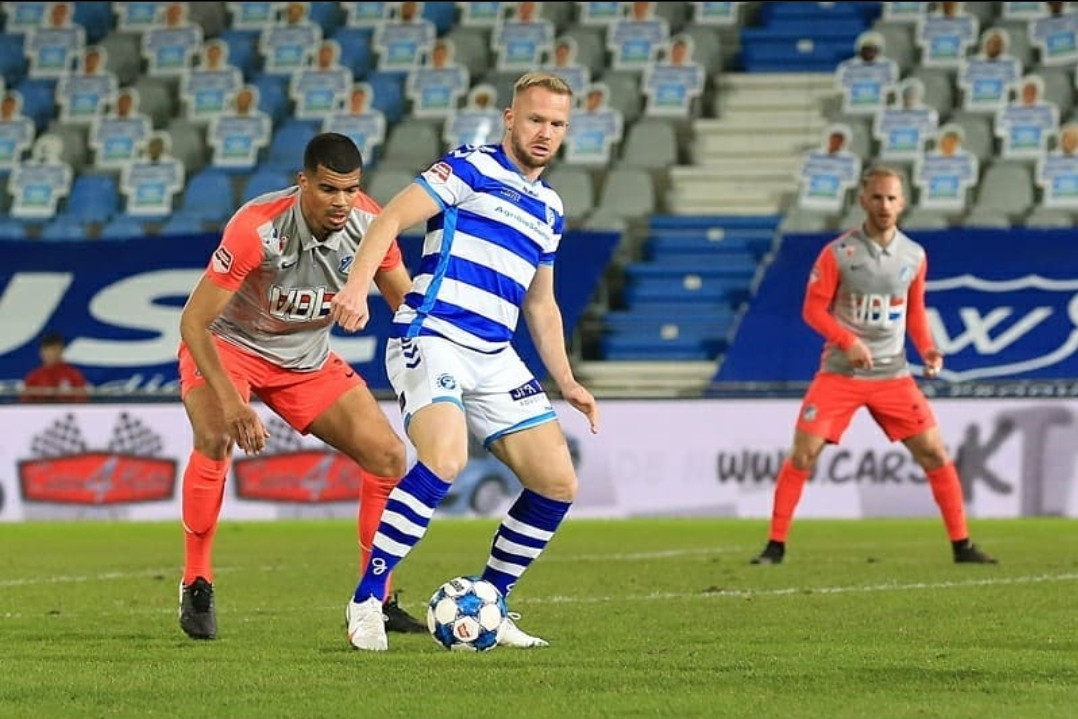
[{"x": 525, "y": 158}]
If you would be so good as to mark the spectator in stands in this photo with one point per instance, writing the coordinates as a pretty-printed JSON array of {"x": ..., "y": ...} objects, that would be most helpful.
[
  {"x": 55, "y": 379},
  {"x": 207, "y": 87},
  {"x": 52, "y": 47},
  {"x": 636, "y": 40},
  {"x": 478, "y": 123},
  {"x": 359, "y": 121},
  {"x": 865, "y": 292},
  {"x": 674, "y": 82},
  {"x": 563, "y": 63},
  {"x": 403, "y": 40},
  {"x": 945, "y": 34},
  {"x": 239, "y": 134},
  {"x": 1029, "y": 122},
  {"x": 83, "y": 95},
  {"x": 318, "y": 89},
  {"x": 295, "y": 14},
  {"x": 152, "y": 182},
  {"x": 437, "y": 86},
  {"x": 944, "y": 175},
  {"x": 986, "y": 79},
  {"x": 1057, "y": 172},
  {"x": 826, "y": 175},
  {"x": 16, "y": 131},
  {"x": 522, "y": 39},
  {"x": 903, "y": 128},
  {"x": 170, "y": 48},
  {"x": 595, "y": 129},
  {"x": 38, "y": 184},
  {"x": 865, "y": 79},
  {"x": 1056, "y": 36}
]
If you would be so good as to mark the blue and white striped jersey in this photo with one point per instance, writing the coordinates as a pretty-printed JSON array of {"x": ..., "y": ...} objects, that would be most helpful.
[{"x": 481, "y": 251}]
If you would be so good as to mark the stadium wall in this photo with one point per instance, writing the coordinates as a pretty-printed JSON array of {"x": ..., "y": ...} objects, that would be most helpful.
[{"x": 715, "y": 458}]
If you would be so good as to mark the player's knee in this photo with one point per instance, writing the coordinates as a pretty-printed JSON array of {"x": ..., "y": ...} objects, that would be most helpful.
[
  {"x": 803, "y": 459},
  {"x": 562, "y": 489},
  {"x": 212, "y": 443},
  {"x": 932, "y": 457},
  {"x": 388, "y": 461},
  {"x": 446, "y": 465}
]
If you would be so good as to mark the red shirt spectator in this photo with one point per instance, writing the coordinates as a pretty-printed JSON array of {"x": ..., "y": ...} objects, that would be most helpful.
[{"x": 55, "y": 380}]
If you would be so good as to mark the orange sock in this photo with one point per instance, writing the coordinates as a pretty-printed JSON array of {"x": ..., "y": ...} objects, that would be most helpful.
[
  {"x": 372, "y": 502},
  {"x": 788, "y": 488},
  {"x": 203, "y": 490},
  {"x": 947, "y": 491}
]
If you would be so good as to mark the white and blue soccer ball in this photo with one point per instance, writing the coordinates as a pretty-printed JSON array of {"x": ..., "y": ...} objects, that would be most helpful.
[{"x": 465, "y": 614}]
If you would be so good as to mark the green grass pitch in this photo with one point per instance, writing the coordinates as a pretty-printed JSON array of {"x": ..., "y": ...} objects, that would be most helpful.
[{"x": 647, "y": 618}]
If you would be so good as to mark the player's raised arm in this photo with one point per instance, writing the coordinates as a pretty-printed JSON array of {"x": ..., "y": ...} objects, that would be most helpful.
[{"x": 410, "y": 206}]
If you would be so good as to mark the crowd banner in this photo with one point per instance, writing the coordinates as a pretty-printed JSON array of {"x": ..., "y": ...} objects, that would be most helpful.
[
  {"x": 118, "y": 303},
  {"x": 669, "y": 458},
  {"x": 996, "y": 311}
]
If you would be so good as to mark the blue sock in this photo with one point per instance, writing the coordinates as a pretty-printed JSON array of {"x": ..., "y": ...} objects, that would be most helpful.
[
  {"x": 521, "y": 538},
  {"x": 408, "y": 511}
]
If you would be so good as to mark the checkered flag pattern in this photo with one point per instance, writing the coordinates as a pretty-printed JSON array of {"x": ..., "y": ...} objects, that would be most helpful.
[
  {"x": 130, "y": 436},
  {"x": 60, "y": 439},
  {"x": 282, "y": 437}
]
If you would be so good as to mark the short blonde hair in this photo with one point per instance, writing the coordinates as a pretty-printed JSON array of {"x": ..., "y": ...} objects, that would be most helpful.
[
  {"x": 546, "y": 80},
  {"x": 881, "y": 171}
]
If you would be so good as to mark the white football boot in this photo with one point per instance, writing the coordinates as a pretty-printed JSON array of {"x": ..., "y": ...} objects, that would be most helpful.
[
  {"x": 367, "y": 625},
  {"x": 510, "y": 635}
]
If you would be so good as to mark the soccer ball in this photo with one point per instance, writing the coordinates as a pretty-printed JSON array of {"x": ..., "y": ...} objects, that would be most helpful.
[{"x": 465, "y": 614}]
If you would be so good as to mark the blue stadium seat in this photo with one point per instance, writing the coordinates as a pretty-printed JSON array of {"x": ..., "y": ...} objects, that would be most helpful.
[
  {"x": 13, "y": 63},
  {"x": 632, "y": 348},
  {"x": 265, "y": 180},
  {"x": 676, "y": 289},
  {"x": 11, "y": 229},
  {"x": 95, "y": 17},
  {"x": 273, "y": 96},
  {"x": 388, "y": 90},
  {"x": 123, "y": 227},
  {"x": 242, "y": 50},
  {"x": 326, "y": 15},
  {"x": 38, "y": 100},
  {"x": 355, "y": 45},
  {"x": 286, "y": 148},
  {"x": 93, "y": 198},
  {"x": 64, "y": 228},
  {"x": 208, "y": 196},
  {"x": 442, "y": 14},
  {"x": 183, "y": 223}
]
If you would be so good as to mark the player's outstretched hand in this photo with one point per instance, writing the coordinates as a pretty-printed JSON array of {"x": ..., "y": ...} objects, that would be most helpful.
[
  {"x": 933, "y": 363},
  {"x": 245, "y": 428},
  {"x": 859, "y": 355},
  {"x": 348, "y": 308},
  {"x": 582, "y": 400}
]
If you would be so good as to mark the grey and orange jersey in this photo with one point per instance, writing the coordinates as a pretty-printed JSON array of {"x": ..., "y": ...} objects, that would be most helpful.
[
  {"x": 284, "y": 278},
  {"x": 869, "y": 291}
]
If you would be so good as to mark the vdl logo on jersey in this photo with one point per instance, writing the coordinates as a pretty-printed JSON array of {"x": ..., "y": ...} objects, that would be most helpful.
[
  {"x": 876, "y": 310},
  {"x": 300, "y": 305},
  {"x": 1023, "y": 326}
]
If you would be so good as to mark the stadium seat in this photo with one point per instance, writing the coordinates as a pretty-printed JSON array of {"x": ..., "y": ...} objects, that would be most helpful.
[
  {"x": 13, "y": 64},
  {"x": 64, "y": 228},
  {"x": 472, "y": 48},
  {"x": 208, "y": 196},
  {"x": 285, "y": 152},
  {"x": 188, "y": 144},
  {"x": 576, "y": 188},
  {"x": 799, "y": 219},
  {"x": 590, "y": 47},
  {"x": 628, "y": 193},
  {"x": 383, "y": 183},
  {"x": 124, "y": 56},
  {"x": 388, "y": 88},
  {"x": 97, "y": 19},
  {"x": 898, "y": 44},
  {"x": 1007, "y": 189},
  {"x": 123, "y": 227},
  {"x": 273, "y": 96},
  {"x": 987, "y": 218},
  {"x": 355, "y": 45},
  {"x": 183, "y": 223},
  {"x": 210, "y": 16},
  {"x": 412, "y": 144},
  {"x": 625, "y": 93},
  {"x": 158, "y": 99},
  {"x": 979, "y": 139},
  {"x": 326, "y": 15},
  {"x": 918, "y": 218},
  {"x": 93, "y": 198},
  {"x": 38, "y": 101},
  {"x": 74, "y": 137},
  {"x": 443, "y": 14},
  {"x": 939, "y": 90},
  {"x": 1058, "y": 87},
  {"x": 242, "y": 50},
  {"x": 1046, "y": 217},
  {"x": 652, "y": 144},
  {"x": 11, "y": 229},
  {"x": 267, "y": 180}
]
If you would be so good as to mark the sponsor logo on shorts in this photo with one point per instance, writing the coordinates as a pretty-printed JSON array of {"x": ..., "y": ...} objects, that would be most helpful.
[
  {"x": 809, "y": 413},
  {"x": 222, "y": 260},
  {"x": 524, "y": 391},
  {"x": 447, "y": 381}
]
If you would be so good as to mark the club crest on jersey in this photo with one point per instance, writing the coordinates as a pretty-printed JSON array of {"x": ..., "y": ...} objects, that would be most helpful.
[
  {"x": 222, "y": 260},
  {"x": 849, "y": 250},
  {"x": 345, "y": 264},
  {"x": 905, "y": 273},
  {"x": 441, "y": 171},
  {"x": 549, "y": 216},
  {"x": 447, "y": 381}
]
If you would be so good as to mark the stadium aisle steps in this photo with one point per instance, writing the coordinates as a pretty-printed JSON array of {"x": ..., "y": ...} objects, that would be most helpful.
[{"x": 804, "y": 36}]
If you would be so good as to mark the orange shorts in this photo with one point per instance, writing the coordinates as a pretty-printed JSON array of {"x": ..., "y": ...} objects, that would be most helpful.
[
  {"x": 298, "y": 397},
  {"x": 898, "y": 406}
]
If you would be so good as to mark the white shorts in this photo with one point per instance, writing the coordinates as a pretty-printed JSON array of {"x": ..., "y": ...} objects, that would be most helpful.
[{"x": 497, "y": 392}]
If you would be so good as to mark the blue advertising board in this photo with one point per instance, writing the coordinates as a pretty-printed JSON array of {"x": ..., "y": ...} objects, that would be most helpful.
[
  {"x": 118, "y": 303},
  {"x": 1002, "y": 305}
]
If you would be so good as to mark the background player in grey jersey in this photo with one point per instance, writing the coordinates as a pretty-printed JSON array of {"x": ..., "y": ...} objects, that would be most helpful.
[
  {"x": 493, "y": 230},
  {"x": 258, "y": 323},
  {"x": 865, "y": 287}
]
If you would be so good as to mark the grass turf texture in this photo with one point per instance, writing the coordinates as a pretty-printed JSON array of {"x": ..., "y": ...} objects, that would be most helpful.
[{"x": 646, "y": 617}]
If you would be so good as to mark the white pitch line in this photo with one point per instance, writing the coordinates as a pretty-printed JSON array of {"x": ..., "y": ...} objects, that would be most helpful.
[{"x": 787, "y": 591}]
